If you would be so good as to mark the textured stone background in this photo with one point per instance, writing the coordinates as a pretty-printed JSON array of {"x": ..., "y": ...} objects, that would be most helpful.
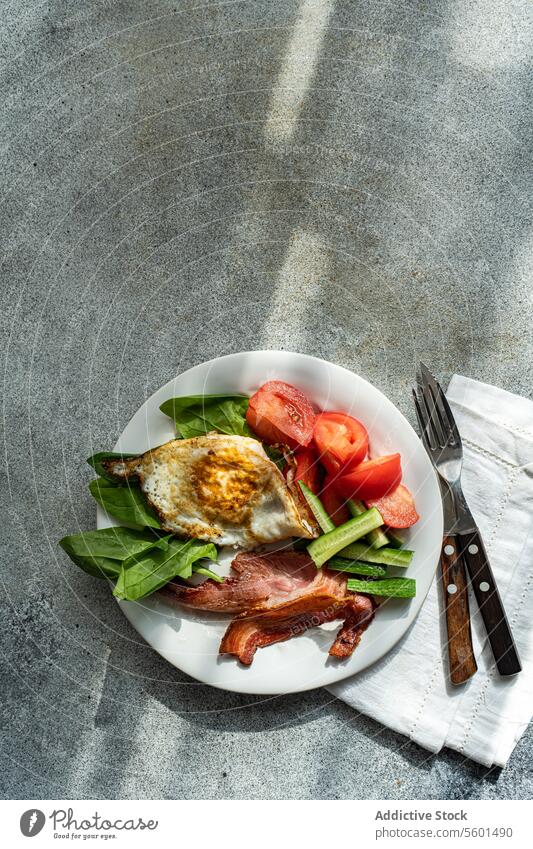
[{"x": 180, "y": 180}]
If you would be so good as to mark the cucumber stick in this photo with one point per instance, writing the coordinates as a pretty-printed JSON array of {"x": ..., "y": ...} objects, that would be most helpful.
[
  {"x": 377, "y": 538},
  {"x": 383, "y": 556},
  {"x": 390, "y": 587},
  {"x": 395, "y": 539},
  {"x": 324, "y": 547},
  {"x": 340, "y": 564},
  {"x": 317, "y": 509}
]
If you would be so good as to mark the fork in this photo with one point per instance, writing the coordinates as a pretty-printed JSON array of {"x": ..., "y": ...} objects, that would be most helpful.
[{"x": 463, "y": 543}]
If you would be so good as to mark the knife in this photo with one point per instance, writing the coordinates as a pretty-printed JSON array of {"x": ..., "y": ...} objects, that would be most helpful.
[
  {"x": 463, "y": 542},
  {"x": 461, "y": 659}
]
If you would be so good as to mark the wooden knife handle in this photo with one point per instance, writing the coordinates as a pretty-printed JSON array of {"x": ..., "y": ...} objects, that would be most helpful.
[
  {"x": 490, "y": 604},
  {"x": 454, "y": 584}
]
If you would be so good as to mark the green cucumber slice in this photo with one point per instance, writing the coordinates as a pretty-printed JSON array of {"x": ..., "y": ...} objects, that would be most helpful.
[
  {"x": 331, "y": 543},
  {"x": 317, "y": 509},
  {"x": 395, "y": 539},
  {"x": 377, "y": 538},
  {"x": 340, "y": 564},
  {"x": 390, "y": 587},
  {"x": 385, "y": 556}
]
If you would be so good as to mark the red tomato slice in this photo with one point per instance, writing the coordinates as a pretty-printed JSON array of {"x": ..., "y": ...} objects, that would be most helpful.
[
  {"x": 308, "y": 468},
  {"x": 371, "y": 479},
  {"x": 334, "y": 503},
  {"x": 397, "y": 508},
  {"x": 278, "y": 412},
  {"x": 342, "y": 441}
]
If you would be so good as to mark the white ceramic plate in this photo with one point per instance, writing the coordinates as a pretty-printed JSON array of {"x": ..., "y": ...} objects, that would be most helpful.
[{"x": 189, "y": 640}]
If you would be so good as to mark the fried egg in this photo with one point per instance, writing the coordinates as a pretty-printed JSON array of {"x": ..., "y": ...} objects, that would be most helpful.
[{"x": 219, "y": 488}]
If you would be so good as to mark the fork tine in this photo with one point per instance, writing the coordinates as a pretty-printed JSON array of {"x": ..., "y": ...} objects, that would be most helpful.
[
  {"x": 418, "y": 411},
  {"x": 425, "y": 432},
  {"x": 439, "y": 434},
  {"x": 438, "y": 410},
  {"x": 450, "y": 417},
  {"x": 441, "y": 403}
]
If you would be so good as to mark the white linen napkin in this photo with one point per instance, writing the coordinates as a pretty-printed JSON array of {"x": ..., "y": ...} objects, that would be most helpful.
[{"x": 407, "y": 690}]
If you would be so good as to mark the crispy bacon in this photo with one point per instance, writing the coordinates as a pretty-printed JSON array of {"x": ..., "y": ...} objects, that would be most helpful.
[
  {"x": 354, "y": 626},
  {"x": 278, "y": 596},
  {"x": 263, "y": 581},
  {"x": 246, "y": 634}
]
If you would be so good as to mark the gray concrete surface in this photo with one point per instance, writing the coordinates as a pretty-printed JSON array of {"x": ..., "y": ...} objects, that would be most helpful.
[{"x": 180, "y": 180}]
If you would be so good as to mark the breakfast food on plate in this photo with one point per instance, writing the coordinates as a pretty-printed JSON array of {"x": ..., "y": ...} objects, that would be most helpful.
[
  {"x": 341, "y": 440},
  {"x": 248, "y": 633},
  {"x": 279, "y": 594},
  {"x": 247, "y": 472},
  {"x": 219, "y": 488},
  {"x": 397, "y": 508},
  {"x": 263, "y": 581},
  {"x": 278, "y": 412}
]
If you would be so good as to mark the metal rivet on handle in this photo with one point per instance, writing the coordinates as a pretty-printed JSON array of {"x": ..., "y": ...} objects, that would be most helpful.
[
  {"x": 451, "y": 588},
  {"x": 473, "y": 549},
  {"x": 449, "y": 549},
  {"x": 484, "y": 586}
]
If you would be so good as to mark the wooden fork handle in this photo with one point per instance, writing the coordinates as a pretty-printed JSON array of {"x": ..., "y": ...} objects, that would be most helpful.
[
  {"x": 490, "y": 604},
  {"x": 462, "y": 661}
]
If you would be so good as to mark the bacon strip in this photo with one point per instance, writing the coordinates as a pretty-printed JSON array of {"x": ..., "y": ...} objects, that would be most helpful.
[
  {"x": 263, "y": 581},
  {"x": 350, "y": 634},
  {"x": 246, "y": 634},
  {"x": 279, "y": 595}
]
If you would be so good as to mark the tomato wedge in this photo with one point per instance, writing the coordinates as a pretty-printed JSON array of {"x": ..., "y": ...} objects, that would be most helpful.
[
  {"x": 397, "y": 508},
  {"x": 308, "y": 468},
  {"x": 341, "y": 440},
  {"x": 278, "y": 412},
  {"x": 371, "y": 479},
  {"x": 334, "y": 503}
]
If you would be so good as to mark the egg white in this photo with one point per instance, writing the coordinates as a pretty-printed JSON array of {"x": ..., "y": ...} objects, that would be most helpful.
[{"x": 219, "y": 488}]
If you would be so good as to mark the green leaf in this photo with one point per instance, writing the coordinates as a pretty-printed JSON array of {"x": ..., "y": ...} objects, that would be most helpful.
[
  {"x": 142, "y": 576},
  {"x": 391, "y": 587},
  {"x": 114, "y": 543},
  {"x": 100, "y": 553},
  {"x": 98, "y": 567},
  {"x": 126, "y": 503},
  {"x": 96, "y": 462},
  {"x": 196, "y": 415},
  {"x": 201, "y": 570}
]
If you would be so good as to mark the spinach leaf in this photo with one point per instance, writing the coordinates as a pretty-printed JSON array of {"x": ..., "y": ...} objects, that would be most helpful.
[
  {"x": 98, "y": 567},
  {"x": 126, "y": 503},
  {"x": 139, "y": 561},
  {"x": 196, "y": 415},
  {"x": 96, "y": 462},
  {"x": 142, "y": 576},
  {"x": 100, "y": 553},
  {"x": 114, "y": 543},
  {"x": 201, "y": 570}
]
